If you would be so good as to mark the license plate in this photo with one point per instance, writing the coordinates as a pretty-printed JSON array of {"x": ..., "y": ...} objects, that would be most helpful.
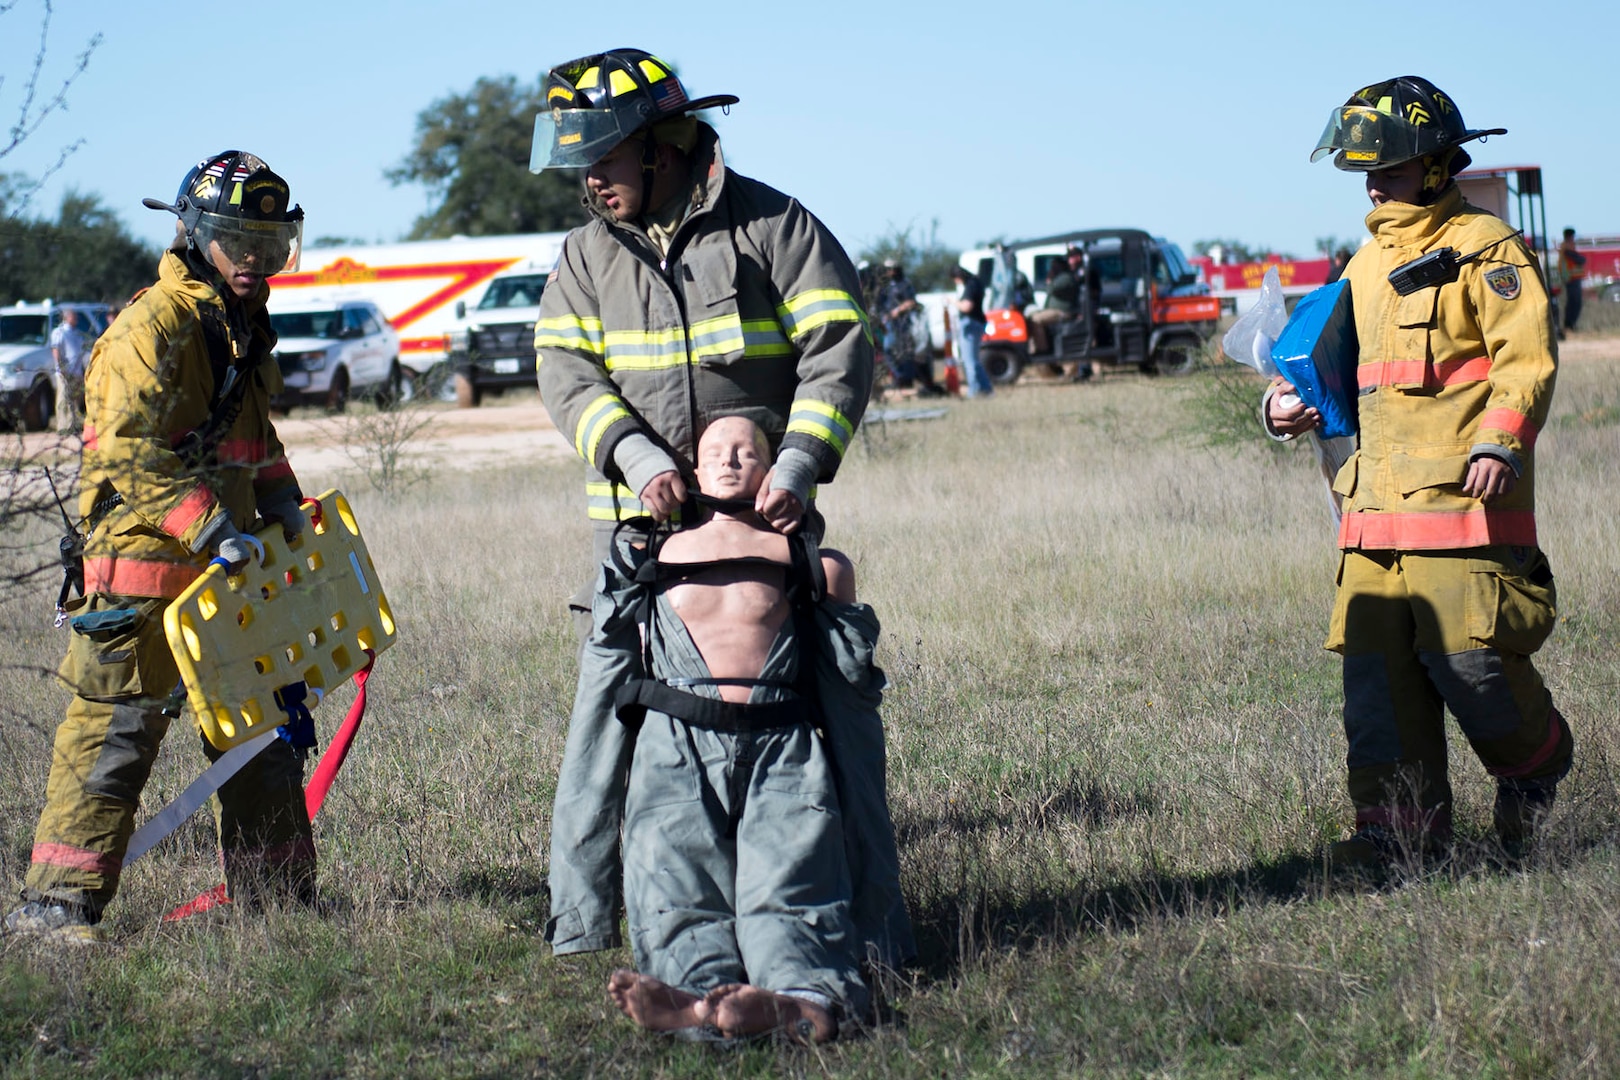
[{"x": 508, "y": 366}]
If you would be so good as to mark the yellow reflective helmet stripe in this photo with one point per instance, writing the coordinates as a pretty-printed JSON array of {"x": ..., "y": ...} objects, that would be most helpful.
[
  {"x": 601, "y": 414},
  {"x": 568, "y": 332},
  {"x": 620, "y": 82},
  {"x": 592, "y": 76},
  {"x": 821, "y": 421},
  {"x": 803, "y": 312},
  {"x": 653, "y": 70}
]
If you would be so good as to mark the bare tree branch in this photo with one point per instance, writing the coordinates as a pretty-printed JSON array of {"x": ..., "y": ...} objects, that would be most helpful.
[{"x": 31, "y": 114}]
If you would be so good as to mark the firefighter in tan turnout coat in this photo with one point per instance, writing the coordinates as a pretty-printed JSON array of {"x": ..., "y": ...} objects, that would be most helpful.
[
  {"x": 694, "y": 293},
  {"x": 180, "y": 459},
  {"x": 1443, "y": 592}
]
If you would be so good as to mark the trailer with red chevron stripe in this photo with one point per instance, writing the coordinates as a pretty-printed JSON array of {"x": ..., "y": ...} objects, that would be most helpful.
[{"x": 424, "y": 287}]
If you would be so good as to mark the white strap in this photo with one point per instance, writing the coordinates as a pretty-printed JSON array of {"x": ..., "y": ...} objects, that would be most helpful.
[{"x": 188, "y": 801}]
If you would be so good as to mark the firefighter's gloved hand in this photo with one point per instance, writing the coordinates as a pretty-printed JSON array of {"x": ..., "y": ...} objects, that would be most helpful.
[
  {"x": 223, "y": 540},
  {"x": 786, "y": 492},
  {"x": 238, "y": 551},
  {"x": 285, "y": 509}
]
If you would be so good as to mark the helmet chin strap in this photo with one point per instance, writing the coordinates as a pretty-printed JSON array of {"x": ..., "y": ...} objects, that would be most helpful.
[
  {"x": 649, "y": 166},
  {"x": 1437, "y": 173}
]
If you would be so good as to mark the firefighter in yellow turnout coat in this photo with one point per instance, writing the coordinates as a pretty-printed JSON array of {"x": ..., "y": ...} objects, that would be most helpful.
[
  {"x": 180, "y": 459},
  {"x": 695, "y": 293},
  {"x": 1443, "y": 593}
]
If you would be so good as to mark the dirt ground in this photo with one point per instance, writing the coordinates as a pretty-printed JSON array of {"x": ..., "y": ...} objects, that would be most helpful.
[{"x": 512, "y": 429}]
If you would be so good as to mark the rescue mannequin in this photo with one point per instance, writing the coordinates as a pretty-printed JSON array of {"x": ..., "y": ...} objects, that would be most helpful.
[{"x": 764, "y": 940}]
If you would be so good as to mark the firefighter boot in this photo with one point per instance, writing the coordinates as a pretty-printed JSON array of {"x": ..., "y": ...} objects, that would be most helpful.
[
  {"x": 1521, "y": 807},
  {"x": 53, "y": 920},
  {"x": 1369, "y": 850}
]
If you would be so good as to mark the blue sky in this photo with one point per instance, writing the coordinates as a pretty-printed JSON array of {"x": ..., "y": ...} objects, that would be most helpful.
[{"x": 1191, "y": 120}]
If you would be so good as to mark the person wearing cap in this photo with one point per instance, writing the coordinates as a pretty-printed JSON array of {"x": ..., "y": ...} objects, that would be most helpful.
[
  {"x": 1443, "y": 591},
  {"x": 1062, "y": 299},
  {"x": 181, "y": 463}
]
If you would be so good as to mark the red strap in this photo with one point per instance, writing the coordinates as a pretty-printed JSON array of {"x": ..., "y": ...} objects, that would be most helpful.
[
  {"x": 314, "y": 795},
  {"x": 332, "y": 760}
]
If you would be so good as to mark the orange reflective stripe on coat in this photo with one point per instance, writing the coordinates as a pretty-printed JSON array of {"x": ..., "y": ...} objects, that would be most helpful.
[
  {"x": 1514, "y": 423},
  {"x": 1416, "y": 372},
  {"x": 1437, "y": 530},
  {"x": 189, "y": 510},
  {"x": 138, "y": 577}
]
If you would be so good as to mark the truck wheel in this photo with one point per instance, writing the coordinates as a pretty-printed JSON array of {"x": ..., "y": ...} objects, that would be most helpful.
[
  {"x": 467, "y": 395},
  {"x": 1002, "y": 365},
  {"x": 38, "y": 406},
  {"x": 337, "y": 395},
  {"x": 1176, "y": 357}
]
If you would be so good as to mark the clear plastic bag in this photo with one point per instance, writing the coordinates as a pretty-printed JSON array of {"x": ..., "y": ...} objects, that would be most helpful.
[{"x": 1249, "y": 340}]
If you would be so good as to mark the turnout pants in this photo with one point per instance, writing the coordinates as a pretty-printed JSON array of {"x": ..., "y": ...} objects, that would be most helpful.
[
  {"x": 734, "y": 865},
  {"x": 122, "y": 679},
  {"x": 734, "y": 862},
  {"x": 1425, "y": 631}
]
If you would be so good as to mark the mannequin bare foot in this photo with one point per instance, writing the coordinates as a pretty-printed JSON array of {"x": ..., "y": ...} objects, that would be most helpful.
[
  {"x": 654, "y": 1005},
  {"x": 738, "y": 1009}
]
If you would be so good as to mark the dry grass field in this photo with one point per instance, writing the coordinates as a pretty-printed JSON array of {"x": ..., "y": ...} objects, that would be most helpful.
[{"x": 1115, "y": 759}]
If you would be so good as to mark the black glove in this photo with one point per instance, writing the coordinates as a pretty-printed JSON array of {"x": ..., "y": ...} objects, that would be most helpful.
[{"x": 284, "y": 508}]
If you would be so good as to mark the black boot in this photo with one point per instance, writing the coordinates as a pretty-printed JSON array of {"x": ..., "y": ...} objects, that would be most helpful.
[{"x": 1521, "y": 807}]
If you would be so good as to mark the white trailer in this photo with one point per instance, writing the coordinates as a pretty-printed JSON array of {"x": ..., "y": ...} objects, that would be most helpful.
[{"x": 423, "y": 286}]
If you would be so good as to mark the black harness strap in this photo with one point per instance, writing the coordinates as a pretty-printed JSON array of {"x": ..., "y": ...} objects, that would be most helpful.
[
  {"x": 806, "y": 585},
  {"x": 632, "y": 701}
]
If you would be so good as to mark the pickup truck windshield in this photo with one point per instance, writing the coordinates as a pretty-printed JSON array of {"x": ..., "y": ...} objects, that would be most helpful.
[
  {"x": 315, "y": 324},
  {"x": 23, "y": 330},
  {"x": 513, "y": 292}
]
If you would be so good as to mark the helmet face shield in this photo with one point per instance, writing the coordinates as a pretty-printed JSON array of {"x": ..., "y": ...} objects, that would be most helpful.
[
  {"x": 265, "y": 247},
  {"x": 574, "y": 138},
  {"x": 1367, "y": 139}
]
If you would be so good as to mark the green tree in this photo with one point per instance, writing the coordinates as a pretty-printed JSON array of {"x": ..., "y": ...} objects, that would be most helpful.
[
  {"x": 1327, "y": 245},
  {"x": 1236, "y": 250},
  {"x": 86, "y": 254},
  {"x": 926, "y": 259},
  {"x": 472, "y": 154}
]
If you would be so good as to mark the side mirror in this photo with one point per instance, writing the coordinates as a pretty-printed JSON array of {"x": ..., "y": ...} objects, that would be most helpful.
[{"x": 461, "y": 309}]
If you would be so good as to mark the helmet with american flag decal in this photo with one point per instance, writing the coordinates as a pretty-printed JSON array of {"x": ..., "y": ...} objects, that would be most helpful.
[
  {"x": 596, "y": 102},
  {"x": 235, "y": 199}
]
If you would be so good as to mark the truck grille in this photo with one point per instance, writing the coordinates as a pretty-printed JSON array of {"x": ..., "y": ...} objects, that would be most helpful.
[{"x": 506, "y": 339}]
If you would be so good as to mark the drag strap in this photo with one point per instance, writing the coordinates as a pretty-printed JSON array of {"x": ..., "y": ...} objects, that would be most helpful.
[
  {"x": 338, "y": 750},
  {"x": 189, "y": 801},
  {"x": 314, "y": 795}
]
